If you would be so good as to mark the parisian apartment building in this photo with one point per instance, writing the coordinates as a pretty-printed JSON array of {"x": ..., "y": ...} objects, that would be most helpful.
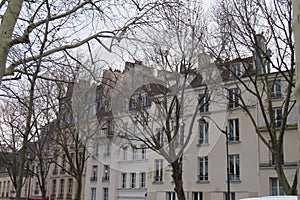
[
  {"x": 123, "y": 170},
  {"x": 116, "y": 168}
]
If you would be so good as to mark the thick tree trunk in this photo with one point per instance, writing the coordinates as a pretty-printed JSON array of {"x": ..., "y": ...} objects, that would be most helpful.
[
  {"x": 79, "y": 188},
  {"x": 7, "y": 26},
  {"x": 281, "y": 175},
  {"x": 177, "y": 177}
]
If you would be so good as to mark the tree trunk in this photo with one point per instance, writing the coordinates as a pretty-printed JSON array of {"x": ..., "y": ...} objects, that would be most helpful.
[
  {"x": 177, "y": 177},
  {"x": 281, "y": 175},
  {"x": 79, "y": 189},
  {"x": 8, "y": 22}
]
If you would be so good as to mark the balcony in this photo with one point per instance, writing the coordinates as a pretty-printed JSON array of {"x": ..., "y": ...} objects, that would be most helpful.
[
  {"x": 93, "y": 178},
  {"x": 105, "y": 179}
]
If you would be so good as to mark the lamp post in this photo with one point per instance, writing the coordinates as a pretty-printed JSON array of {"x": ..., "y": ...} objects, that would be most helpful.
[{"x": 225, "y": 132}]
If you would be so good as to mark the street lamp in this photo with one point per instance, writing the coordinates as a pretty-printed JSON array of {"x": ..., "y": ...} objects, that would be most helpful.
[{"x": 225, "y": 132}]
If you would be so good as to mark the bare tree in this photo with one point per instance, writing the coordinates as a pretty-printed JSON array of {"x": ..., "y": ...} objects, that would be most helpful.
[
  {"x": 258, "y": 34},
  {"x": 70, "y": 25},
  {"x": 161, "y": 109}
]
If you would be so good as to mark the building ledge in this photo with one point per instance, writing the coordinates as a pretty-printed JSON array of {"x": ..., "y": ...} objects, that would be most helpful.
[{"x": 202, "y": 182}]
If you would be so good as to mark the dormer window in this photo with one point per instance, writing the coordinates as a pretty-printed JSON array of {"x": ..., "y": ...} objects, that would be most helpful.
[
  {"x": 139, "y": 101},
  {"x": 235, "y": 70}
]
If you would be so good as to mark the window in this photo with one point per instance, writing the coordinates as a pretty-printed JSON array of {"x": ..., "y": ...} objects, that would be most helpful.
[
  {"x": 160, "y": 136},
  {"x": 233, "y": 98},
  {"x": 62, "y": 187},
  {"x": 143, "y": 179},
  {"x": 70, "y": 186},
  {"x": 203, "y": 132},
  {"x": 125, "y": 153},
  {"x": 236, "y": 70},
  {"x": 203, "y": 169},
  {"x": 93, "y": 193},
  {"x": 105, "y": 173},
  {"x": 197, "y": 195},
  {"x": 107, "y": 149},
  {"x": 234, "y": 167},
  {"x": 277, "y": 113},
  {"x": 179, "y": 139},
  {"x": 158, "y": 173},
  {"x": 204, "y": 103},
  {"x": 232, "y": 196},
  {"x": 233, "y": 130},
  {"x": 54, "y": 187},
  {"x": 36, "y": 188},
  {"x": 132, "y": 180},
  {"x": 94, "y": 173},
  {"x": 63, "y": 164},
  {"x": 123, "y": 177},
  {"x": 276, "y": 187},
  {"x": 134, "y": 153},
  {"x": 170, "y": 195},
  {"x": 143, "y": 152},
  {"x": 105, "y": 193},
  {"x": 145, "y": 100},
  {"x": 139, "y": 100},
  {"x": 275, "y": 87}
]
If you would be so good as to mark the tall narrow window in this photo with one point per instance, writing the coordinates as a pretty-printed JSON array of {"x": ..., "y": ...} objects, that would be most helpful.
[
  {"x": 134, "y": 153},
  {"x": 105, "y": 173},
  {"x": 143, "y": 179},
  {"x": 123, "y": 177},
  {"x": 276, "y": 187},
  {"x": 94, "y": 173},
  {"x": 143, "y": 152},
  {"x": 203, "y": 132},
  {"x": 197, "y": 196},
  {"x": 63, "y": 164},
  {"x": 204, "y": 103},
  {"x": 233, "y": 95},
  {"x": 203, "y": 169},
  {"x": 53, "y": 187},
  {"x": 170, "y": 195},
  {"x": 158, "y": 173},
  {"x": 70, "y": 186},
  {"x": 160, "y": 136},
  {"x": 125, "y": 153},
  {"x": 93, "y": 193},
  {"x": 277, "y": 116},
  {"x": 107, "y": 149},
  {"x": 234, "y": 167},
  {"x": 105, "y": 193},
  {"x": 275, "y": 87},
  {"x": 62, "y": 187},
  {"x": 233, "y": 130},
  {"x": 132, "y": 180}
]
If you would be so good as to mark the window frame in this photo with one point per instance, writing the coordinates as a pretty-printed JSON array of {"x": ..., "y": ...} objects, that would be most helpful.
[
  {"x": 234, "y": 167},
  {"x": 203, "y": 169},
  {"x": 203, "y": 133},
  {"x": 233, "y": 130}
]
